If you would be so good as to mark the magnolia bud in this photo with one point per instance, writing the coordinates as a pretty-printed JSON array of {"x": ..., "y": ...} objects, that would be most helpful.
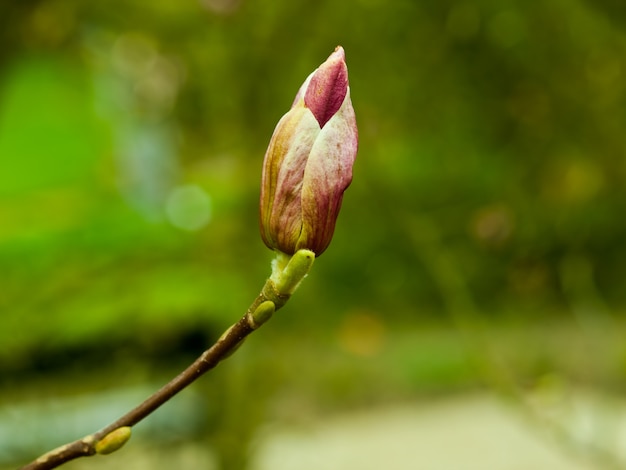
[{"x": 308, "y": 163}]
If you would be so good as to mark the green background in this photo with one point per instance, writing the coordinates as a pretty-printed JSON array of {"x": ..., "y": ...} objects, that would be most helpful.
[{"x": 480, "y": 245}]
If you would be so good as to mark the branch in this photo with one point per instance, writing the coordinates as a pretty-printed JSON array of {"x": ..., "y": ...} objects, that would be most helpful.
[{"x": 287, "y": 275}]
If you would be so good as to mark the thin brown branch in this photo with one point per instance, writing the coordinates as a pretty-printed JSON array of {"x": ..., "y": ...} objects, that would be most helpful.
[{"x": 222, "y": 348}]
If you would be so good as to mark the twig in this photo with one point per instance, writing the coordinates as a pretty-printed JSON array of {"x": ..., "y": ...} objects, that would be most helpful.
[{"x": 274, "y": 295}]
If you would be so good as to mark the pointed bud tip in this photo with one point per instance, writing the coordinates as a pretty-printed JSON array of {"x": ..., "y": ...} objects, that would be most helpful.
[
  {"x": 339, "y": 52},
  {"x": 328, "y": 87}
]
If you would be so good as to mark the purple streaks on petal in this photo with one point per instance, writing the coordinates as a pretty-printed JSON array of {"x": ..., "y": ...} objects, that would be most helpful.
[
  {"x": 328, "y": 87},
  {"x": 283, "y": 172},
  {"x": 327, "y": 176}
]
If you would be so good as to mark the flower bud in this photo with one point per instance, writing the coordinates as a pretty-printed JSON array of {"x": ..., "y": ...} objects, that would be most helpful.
[{"x": 308, "y": 163}]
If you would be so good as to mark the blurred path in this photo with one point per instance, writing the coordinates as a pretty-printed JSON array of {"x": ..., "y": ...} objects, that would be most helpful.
[
  {"x": 476, "y": 432},
  {"x": 467, "y": 432}
]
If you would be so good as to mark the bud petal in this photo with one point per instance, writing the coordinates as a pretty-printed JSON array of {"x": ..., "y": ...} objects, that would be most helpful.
[
  {"x": 328, "y": 87},
  {"x": 308, "y": 163}
]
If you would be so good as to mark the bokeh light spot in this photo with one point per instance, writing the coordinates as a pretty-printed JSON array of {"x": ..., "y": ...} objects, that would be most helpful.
[
  {"x": 362, "y": 334},
  {"x": 493, "y": 226},
  {"x": 188, "y": 207}
]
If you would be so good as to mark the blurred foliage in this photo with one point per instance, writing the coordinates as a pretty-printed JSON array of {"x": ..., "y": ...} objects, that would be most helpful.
[{"x": 488, "y": 194}]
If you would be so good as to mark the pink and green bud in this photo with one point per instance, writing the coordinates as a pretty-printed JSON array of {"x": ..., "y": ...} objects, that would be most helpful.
[{"x": 308, "y": 163}]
